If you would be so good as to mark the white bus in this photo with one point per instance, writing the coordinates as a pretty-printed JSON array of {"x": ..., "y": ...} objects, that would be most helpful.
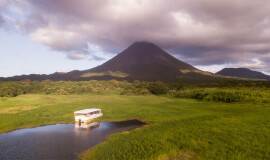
[{"x": 86, "y": 115}]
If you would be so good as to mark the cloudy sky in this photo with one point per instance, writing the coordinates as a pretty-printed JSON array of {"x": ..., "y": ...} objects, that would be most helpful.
[{"x": 44, "y": 36}]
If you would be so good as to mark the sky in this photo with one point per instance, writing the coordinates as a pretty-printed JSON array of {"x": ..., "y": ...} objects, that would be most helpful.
[{"x": 47, "y": 36}]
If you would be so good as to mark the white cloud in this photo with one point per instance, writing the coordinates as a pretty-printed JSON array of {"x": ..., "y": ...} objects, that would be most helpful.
[
  {"x": 254, "y": 63},
  {"x": 213, "y": 68},
  {"x": 58, "y": 39},
  {"x": 76, "y": 55}
]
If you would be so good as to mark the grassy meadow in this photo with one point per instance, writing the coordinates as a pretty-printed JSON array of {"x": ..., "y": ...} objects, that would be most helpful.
[{"x": 178, "y": 128}]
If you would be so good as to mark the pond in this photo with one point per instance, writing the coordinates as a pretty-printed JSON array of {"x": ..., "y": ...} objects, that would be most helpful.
[{"x": 60, "y": 141}]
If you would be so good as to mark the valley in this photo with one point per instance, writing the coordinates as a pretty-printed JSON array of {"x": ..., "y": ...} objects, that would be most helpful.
[
  {"x": 190, "y": 114},
  {"x": 185, "y": 128},
  {"x": 134, "y": 80}
]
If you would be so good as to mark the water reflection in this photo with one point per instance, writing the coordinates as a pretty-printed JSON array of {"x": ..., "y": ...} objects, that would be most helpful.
[
  {"x": 60, "y": 141},
  {"x": 87, "y": 126}
]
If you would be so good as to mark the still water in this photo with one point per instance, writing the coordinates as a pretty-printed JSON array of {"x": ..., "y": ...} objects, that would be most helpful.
[{"x": 60, "y": 141}]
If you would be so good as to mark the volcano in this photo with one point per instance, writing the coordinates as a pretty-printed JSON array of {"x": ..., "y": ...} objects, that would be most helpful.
[{"x": 142, "y": 61}]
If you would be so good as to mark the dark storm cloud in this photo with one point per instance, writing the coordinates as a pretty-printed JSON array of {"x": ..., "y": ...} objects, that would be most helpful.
[
  {"x": 2, "y": 4},
  {"x": 1, "y": 20},
  {"x": 202, "y": 32},
  {"x": 204, "y": 55},
  {"x": 96, "y": 58}
]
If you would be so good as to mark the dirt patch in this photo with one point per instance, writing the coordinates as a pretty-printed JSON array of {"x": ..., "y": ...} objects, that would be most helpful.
[{"x": 14, "y": 110}]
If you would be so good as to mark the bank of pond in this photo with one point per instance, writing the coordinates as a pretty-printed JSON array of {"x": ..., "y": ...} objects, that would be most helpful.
[{"x": 60, "y": 141}]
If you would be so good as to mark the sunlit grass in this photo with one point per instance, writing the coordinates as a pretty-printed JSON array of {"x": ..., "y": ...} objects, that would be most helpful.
[
  {"x": 107, "y": 73},
  {"x": 178, "y": 128}
]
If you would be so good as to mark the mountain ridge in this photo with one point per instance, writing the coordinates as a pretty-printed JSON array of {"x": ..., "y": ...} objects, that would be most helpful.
[
  {"x": 142, "y": 61},
  {"x": 243, "y": 73}
]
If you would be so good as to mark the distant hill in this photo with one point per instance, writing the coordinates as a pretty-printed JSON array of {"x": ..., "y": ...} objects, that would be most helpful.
[
  {"x": 142, "y": 61},
  {"x": 243, "y": 73}
]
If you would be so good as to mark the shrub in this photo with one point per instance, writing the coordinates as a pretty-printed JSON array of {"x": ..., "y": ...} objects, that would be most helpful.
[
  {"x": 158, "y": 88},
  {"x": 136, "y": 91},
  {"x": 222, "y": 95}
]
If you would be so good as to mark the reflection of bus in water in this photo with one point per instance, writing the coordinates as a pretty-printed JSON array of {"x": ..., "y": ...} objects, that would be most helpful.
[
  {"x": 88, "y": 126},
  {"x": 87, "y": 115}
]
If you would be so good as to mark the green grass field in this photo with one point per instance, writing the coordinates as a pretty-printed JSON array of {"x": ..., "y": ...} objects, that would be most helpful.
[{"x": 178, "y": 128}]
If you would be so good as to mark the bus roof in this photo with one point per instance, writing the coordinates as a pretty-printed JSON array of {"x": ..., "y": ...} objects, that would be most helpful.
[{"x": 85, "y": 111}]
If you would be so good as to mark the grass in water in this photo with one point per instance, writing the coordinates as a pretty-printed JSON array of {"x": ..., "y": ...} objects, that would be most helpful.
[{"x": 178, "y": 128}]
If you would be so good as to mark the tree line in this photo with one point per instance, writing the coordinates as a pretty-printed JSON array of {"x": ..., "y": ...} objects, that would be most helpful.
[{"x": 227, "y": 91}]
